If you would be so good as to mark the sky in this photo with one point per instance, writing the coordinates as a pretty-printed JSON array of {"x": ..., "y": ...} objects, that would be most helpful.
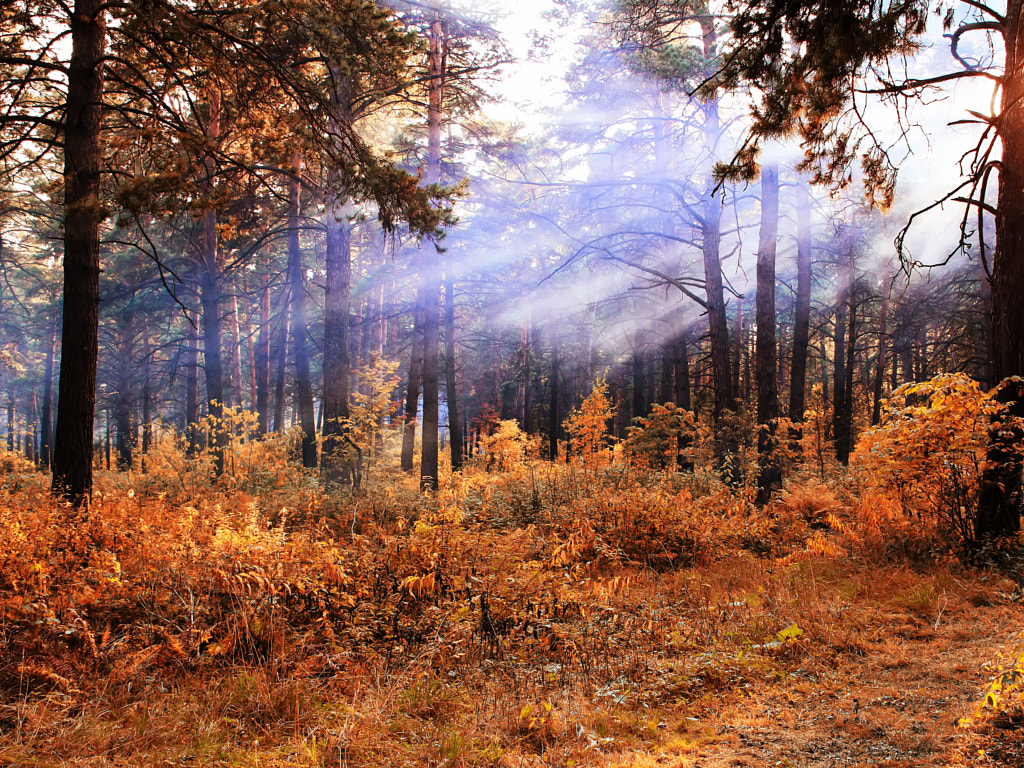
[{"x": 531, "y": 89}]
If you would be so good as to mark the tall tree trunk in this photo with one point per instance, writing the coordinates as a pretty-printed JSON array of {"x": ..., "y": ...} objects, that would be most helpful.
[
  {"x": 412, "y": 390},
  {"x": 639, "y": 378},
  {"x": 211, "y": 299},
  {"x": 432, "y": 265},
  {"x": 711, "y": 236},
  {"x": 451, "y": 380},
  {"x": 11, "y": 436},
  {"x": 802, "y": 318},
  {"x": 213, "y": 369},
  {"x": 72, "y": 450},
  {"x": 340, "y": 462},
  {"x": 681, "y": 372},
  {"x": 191, "y": 393},
  {"x": 882, "y": 361},
  {"x": 738, "y": 349},
  {"x": 147, "y": 396},
  {"x": 261, "y": 360},
  {"x": 46, "y": 420},
  {"x": 668, "y": 352},
  {"x": 769, "y": 478},
  {"x": 999, "y": 504},
  {"x": 237, "y": 390},
  {"x": 250, "y": 351},
  {"x": 123, "y": 404},
  {"x": 300, "y": 322},
  {"x": 554, "y": 420},
  {"x": 280, "y": 340},
  {"x": 844, "y": 278}
]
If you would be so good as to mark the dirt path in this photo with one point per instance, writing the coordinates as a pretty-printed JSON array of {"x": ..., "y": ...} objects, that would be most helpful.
[{"x": 894, "y": 701}]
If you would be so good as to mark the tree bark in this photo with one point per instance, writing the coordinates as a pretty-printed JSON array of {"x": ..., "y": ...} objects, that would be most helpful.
[
  {"x": 72, "y": 450},
  {"x": 841, "y": 427},
  {"x": 147, "y": 396},
  {"x": 237, "y": 391},
  {"x": 210, "y": 290},
  {"x": 340, "y": 462},
  {"x": 882, "y": 361},
  {"x": 300, "y": 323},
  {"x": 412, "y": 390},
  {"x": 639, "y": 378},
  {"x": 191, "y": 393},
  {"x": 46, "y": 419},
  {"x": 281, "y": 359},
  {"x": 554, "y": 417},
  {"x": 262, "y": 360},
  {"x": 681, "y": 372},
  {"x": 451, "y": 380},
  {"x": 432, "y": 266},
  {"x": 1000, "y": 498},
  {"x": 802, "y": 315},
  {"x": 769, "y": 478},
  {"x": 123, "y": 404},
  {"x": 212, "y": 363}
]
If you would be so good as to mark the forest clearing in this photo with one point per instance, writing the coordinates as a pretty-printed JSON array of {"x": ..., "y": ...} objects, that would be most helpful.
[
  {"x": 471, "y": 384},
  {"x": 540, "y": 614}
]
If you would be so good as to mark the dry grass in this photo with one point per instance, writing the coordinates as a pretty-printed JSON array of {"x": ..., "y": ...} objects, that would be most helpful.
[{"x": 543, "y": 616}]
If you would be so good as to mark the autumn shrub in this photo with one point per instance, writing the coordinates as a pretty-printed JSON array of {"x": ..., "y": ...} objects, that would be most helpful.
[
  {"x": 13, "y": 462},
  {"x": 1003, "y": 703},
  {"x": 373, "y": 403},
  {"x": 663, "y": 439},
  {"x": 505, "y": 446},
  {"x": 588, "y": 427},
  {"x": 260, "y": 467},
  {"x": 929, "y": 452}
]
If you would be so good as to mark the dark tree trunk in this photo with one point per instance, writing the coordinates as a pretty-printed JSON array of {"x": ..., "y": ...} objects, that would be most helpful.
[
  {"x": 841, "y": 427},
  {"x": 210, "y": 289},
  {"x": 802, "y": 315},
  {"x": 718, "y": 324},
  {"x": 147, "y": 396},
  {"x": 999, "y": 504},
  {"x": 412, "y": 390},
  {"x": 681, "y": 394},
  {"x": 451, "y": 381},
  {"x": 738, "y": 344},
  {"x": 11, "y": 437},
  {"x": 639, "y": 378},
  {"x": 191, "y": 393},
  {"x": 431, "y": 378},
  {"x": 769, "y": 478},
  {"x": 262, "y": 360},
  {"x": 554, "y": 416},
  {"x": 72, "y": 450},
  {"x": 123, "y": 404},
  {"x": 668, "y": 352},
  {"x": 999, "y": 498},
  {"x": 46, "y": 420},
  {"x": 212, "y": 362},
  {"x": 882, "y": 361},
  {"x": 432, "y": 266},
  {"x": 341, "y": 460},
  {"x": 711, "y": 234},
  {"x": 237, "y": 389},
  {"x": 300, "y": 322},
  {"x": 280, "y": 341}
]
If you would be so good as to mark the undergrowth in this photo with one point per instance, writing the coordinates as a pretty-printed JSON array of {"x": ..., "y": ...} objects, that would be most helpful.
[{"x": 528, "y": 608}]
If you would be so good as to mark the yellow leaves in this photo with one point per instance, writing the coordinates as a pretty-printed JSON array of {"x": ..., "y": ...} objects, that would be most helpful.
[
  {"x": 588, "y": 425},
  {"x": 505, "y": 446},
  {"x": 418, "y": 586}
]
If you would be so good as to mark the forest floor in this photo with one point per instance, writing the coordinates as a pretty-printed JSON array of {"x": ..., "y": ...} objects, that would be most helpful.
[
  {"x": 538, "y": 617},
  {"x": 897, "y": 701}
]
